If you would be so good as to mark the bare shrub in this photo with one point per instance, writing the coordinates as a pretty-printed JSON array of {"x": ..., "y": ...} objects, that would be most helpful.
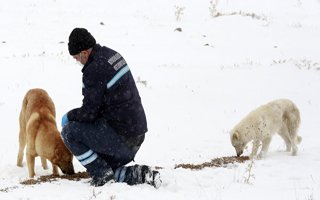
[
  {"x": 179, "y": 12},
  {"x": 213, "y": 8}
]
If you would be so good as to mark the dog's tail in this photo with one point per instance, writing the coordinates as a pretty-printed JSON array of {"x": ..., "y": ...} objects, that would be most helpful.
[
  {"x": 33, "y": 123},
  {"x": 35, "y": 118},
  {"x": 291, "y": 118},
  {"x": 32, "y": 128}
]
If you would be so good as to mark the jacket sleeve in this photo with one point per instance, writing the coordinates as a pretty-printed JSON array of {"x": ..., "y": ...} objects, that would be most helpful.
[{"x": 93, "y": 94}]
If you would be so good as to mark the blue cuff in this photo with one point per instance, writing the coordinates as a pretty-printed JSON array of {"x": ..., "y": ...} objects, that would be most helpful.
[{"x": 64, "y": 120}]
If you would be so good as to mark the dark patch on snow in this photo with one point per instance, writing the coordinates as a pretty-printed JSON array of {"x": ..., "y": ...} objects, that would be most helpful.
[
  {"x": 217, "y": 162},
  {"x": 49, "y": 178}
]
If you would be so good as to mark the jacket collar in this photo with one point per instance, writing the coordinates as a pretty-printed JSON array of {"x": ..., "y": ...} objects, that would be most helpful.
[{"x": 95, "y": 49}]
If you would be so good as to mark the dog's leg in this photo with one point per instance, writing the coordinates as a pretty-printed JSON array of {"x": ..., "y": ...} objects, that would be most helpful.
[
  {"x": 22, "y": 137},
  {"x": 292, "y": 136},
  {"x": 255, "y": 147},
  {"x": 293, "y": 140},
  {"x": 30, "y": 163},
  {"x": 55, "y": 170},
  {"x": 283, "y": 132},
  {"x": 22, "y": 145},
  {"x": 44, "y": 163},
  {"x": 265, "y": 147},
  {"x": 292, "y": 124}
]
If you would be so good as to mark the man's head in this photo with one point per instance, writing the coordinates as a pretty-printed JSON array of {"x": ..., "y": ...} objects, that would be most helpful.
[{"x": 80, "y": 44}]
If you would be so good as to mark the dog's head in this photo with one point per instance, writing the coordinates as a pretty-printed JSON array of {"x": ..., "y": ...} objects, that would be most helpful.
[
  {"x": 63, "y": 159},
  {"x": 237, "y": 142}
]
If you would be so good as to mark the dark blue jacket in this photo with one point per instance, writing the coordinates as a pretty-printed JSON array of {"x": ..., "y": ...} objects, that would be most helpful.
[{"x": 109, "y": 91}]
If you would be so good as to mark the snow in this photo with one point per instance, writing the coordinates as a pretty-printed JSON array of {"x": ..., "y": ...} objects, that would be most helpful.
[{"x": 195, "y": 86}]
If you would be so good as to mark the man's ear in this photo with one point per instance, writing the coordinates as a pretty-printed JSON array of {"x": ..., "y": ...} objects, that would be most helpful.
[{"x": 87, "y": 53}]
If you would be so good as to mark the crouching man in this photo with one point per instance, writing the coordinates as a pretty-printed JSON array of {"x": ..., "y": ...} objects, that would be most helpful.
[{"x": 106, "y": 132}]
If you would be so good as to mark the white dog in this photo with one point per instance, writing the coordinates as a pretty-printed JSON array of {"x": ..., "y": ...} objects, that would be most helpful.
[{"x": 279, "y": 116}]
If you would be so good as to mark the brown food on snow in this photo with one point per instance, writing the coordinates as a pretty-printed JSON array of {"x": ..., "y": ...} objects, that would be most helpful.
[
  {"x": 218, "y": 162},
  {"x": 50, "y": 178}
]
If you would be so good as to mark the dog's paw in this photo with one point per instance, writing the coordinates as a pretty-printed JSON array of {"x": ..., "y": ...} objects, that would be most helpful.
[{"x": 19, "y": 164}]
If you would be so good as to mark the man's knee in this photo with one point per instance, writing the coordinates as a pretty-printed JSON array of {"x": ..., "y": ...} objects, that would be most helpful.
[
  {"x": 68, "y": 132},
  {"x": 133, "y": 143}
]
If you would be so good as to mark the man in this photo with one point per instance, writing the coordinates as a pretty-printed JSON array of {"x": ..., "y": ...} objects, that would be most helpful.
[{"x": 106, "y": 132}]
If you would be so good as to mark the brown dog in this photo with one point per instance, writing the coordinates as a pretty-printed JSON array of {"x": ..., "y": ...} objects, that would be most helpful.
[{"x": 38, "y": 130}]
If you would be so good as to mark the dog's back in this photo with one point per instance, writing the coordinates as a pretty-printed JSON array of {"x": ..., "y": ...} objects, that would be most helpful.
[{"x": 38, "y": 101}]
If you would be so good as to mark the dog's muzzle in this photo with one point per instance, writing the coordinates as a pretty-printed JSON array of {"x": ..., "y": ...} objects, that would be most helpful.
[{"x": 239, "y": 153}]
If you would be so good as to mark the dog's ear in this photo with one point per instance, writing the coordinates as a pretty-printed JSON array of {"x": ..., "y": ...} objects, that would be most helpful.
[
  {"x": 56, "y": 156},
  {"x": 235, "y": 136}
]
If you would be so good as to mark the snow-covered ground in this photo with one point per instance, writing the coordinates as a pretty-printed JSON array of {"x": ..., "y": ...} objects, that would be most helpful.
[{"x": 195, "y": 84}]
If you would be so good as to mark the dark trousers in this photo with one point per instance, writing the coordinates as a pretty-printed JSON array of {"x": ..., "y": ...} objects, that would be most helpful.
[{"x": 100, "y": 139}]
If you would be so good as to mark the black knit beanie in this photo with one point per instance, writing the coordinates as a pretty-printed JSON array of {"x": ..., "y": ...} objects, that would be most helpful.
[{"x": 80, "y": 39}]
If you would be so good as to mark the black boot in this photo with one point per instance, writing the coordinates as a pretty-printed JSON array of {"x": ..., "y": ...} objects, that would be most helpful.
[
  {"x": 139, "y": 174},
  {"x": 100, "y": 172}
]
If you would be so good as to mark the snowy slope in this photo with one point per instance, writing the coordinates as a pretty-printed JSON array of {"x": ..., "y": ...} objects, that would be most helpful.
[{"x": 195, "y": 86}]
